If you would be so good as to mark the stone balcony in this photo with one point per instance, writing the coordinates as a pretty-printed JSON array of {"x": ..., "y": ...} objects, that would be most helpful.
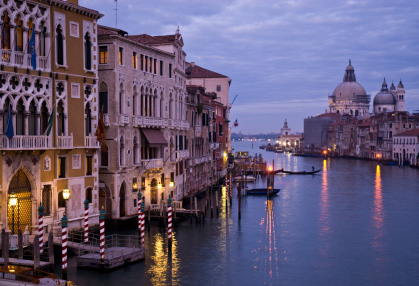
[
  {"x": 91, "y": 142},
  {"x": 198, "y": 130},
  {"x": 152, "y": 163},
  {"x": 215, "y": 145},
  {"x": 26, "y": 142},
  {"x": 65, "y": 142},
  {"x": 123, "y": 119},
  {"x": 22, "y": 60},
  {"x": 183, "y": 154}
]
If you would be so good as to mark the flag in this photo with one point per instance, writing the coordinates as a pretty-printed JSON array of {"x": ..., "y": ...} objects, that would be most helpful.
[
  {"x": 49, "y": 125},
  {"x": 9, "y": 132},
  {"x": 236, "y": 123},
  {"x": 100, "y": 133},
  {"x": 32, "y": 50}
]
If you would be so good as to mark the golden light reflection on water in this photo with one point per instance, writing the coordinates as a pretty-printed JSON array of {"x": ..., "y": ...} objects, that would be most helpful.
[
  {"x": 378, "y": 212},
  {"x": 164, "y": 268},
  {"x": 324, "y": 202},
  {"x": 268, "y": 258}
]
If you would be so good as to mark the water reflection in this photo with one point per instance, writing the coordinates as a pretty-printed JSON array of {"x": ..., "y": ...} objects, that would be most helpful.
[
  {"x": 378, "y": 212},
  {"x": 267, "y": 255},
  {"x": 164, "y": 269},
  {"x": 324, "y": 202}
]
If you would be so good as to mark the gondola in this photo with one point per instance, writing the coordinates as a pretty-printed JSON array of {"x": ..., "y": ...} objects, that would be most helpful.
[
  {"x": 301, "y": 173},
  {"x": 262, "y": 191}
]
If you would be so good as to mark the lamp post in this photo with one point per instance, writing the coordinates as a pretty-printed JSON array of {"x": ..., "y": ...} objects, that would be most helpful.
[
  {"x": 66, "y": 196},
  {"x": 13, "y": 203}
]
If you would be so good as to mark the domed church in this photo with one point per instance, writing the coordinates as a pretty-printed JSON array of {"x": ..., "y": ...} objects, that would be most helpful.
[
  {"x": 389, "y": 100},
  {"x": 349, "y": 97}
]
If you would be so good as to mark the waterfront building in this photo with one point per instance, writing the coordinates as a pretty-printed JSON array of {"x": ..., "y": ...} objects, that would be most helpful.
[
  {"x": 221, "y": 124},
  {"x": 406, "y": 147},
  {"x": 288, "y": 140},
  {"x": 342, "y": 137},
  {"x": 142, "y": 94},
  {"x": 316, "y": 131},
  {"x": 201, "y": 167},
  {"x": 389, "y": 100},
  {"x": 349, "y": 97},
  {"x": 219, "y": 84},
  {"x": 48, "y": 112},
  {"x": 363, "y": 138}
]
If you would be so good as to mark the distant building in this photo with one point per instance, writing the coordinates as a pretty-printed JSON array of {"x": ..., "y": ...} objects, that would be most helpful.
[
  {"x": 315, "y": 132},
  {"x": 389, "y": 100},
  {"x": 286, "y": 139},
  {"x": 350, "y": 97},
  {"x": 406, "y": 147}
]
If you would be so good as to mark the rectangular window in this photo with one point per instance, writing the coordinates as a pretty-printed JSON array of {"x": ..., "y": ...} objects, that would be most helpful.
[
  {"x": 170, "y": 70},
  {"x": 104, "y": 158},
  {"x": 74, "y": 29},
  {"x": 89, "y": 165},
  {"x": 218, "y": 87},
  {"x": 142, "y": 62},
  {"x": 46, "y": 199},
  {"x": 142, "y": 182},
  {"x": 75, "y": 90},
  {"x": 103, "y": 55},
  {"x": 161, "y": 68},
  {"x": 162, "y": 179},
  {"x": 61, "y": 167},
  {"x": 103, "y": 102},
  {"x": 146, "y": 63},
  {"x": 150, "y": 64},
  {"x": 134, "y": 60},
  {"x": 121, "y": 56},
  {"x": 220, "y": 129},
  {"x": 155, "y": 66},
  {"x": 172, "y": 177}
]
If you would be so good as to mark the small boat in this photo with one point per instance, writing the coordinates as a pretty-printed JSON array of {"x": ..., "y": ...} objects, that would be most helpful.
[
  {"x": 302, "y": 172},
  {"x": 390, "y": 163},
  {"x": 262, "y": 191}
]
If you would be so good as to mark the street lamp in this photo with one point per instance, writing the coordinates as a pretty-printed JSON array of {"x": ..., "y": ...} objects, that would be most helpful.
[
  {"x": 13, "y": 203},
  {"x": 66, "y": 196}
]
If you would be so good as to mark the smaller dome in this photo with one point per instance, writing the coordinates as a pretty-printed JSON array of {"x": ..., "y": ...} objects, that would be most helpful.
[
  {"x": 384, "y": 98},
  {"x": 400, "y": 85},
  {"x": 392, "y": 87}
]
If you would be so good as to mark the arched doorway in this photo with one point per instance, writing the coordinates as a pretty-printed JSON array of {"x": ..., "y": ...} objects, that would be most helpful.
[
  {"x": 122, "y": 201},
  {"x": 105, "y": 202},
  {"x": 153, "y": 192},
  {"x": 21, "y": 187}
]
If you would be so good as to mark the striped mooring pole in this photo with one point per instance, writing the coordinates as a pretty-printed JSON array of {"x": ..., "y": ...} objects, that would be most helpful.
[
  {"x": 86, "y": 221},
  {"x": 140, "y": 217},
  {"x": 41, "y": 228},
  {"x": 169, "y": 222},
  {"x": 64, "y": 246},
  {"x": 102, "y": 234},
  {"x": 142, "y": 221}
]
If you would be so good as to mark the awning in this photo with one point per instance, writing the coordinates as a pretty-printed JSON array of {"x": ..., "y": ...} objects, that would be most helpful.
[{"x": 154, "y": 137}]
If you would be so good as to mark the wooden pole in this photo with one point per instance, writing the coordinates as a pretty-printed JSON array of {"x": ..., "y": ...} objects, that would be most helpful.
[
  {"x": 51, "y": 248},
  {"x": 169, "y": 224},
  {"x": 102, "y": 234},
  {"x": 212, "y": 204},
  {"x": 143, "y": 221},
  {"x": 196, "y": 209},
  {"x": 139, "y": 218},
  {"x": 41, "y": 228},
  {"x": 86, "y": 221},
  {"x": 64, "y": 247},
  {"x": 216, "y": 201},
  {"x": 240, "y": 193},
  {"x": 36, "y": 253},
  {"x": 149, "y": 218},
  {"x": 6, "y": 249}
]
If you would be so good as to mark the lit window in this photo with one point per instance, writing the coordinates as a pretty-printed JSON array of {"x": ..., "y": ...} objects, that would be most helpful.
[
  {"x": 134, "y": 60},
  {"x": 103, "y": 55},
  {"x": 121, "y": 55}
]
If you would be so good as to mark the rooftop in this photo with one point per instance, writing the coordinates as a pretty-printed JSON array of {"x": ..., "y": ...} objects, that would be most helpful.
[{"x": 195, "y": 71}]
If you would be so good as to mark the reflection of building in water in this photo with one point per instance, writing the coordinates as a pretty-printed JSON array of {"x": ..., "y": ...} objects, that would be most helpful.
[{"x": 286, "y": 139}]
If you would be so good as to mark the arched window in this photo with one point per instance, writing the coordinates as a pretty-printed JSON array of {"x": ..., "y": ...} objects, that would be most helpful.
[
  {"x": 135, "y": 102},
  {"x": 161, "y": 104},
  {"x": 19, "y": 35},
  {"x": 122, "y": 152},
  {"x": 121, "y": 100},
  {"x": 89, "y": 195},
  {"x": 20, "y": 118},
  {"x": 103, "y": 98},
  {"x": 32, "y": 118},
  {"x": 61, "y": 123},
  {"x": 44, "y": 117},
  {"x": 170, "y": 107},
  {"x": 60, "y": 46},
  {"x": 88, "y": 120},
  {"x": 6, "y": 111},
  {"x": 87, "y": 52},
  {"x": 5, "y": 32},
  {"x": 136, "y": 151},
  {"x": 42, "y": 41}
]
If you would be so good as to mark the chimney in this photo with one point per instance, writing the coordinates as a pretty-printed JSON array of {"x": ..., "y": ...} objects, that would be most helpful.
[
  {"x": 75, "y": 2},
  {"x": 192, "y": 64}
]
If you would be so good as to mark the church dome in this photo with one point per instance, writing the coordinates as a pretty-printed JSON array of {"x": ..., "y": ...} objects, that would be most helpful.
[
  {"x": 384, "y": 97},
  {"x": 349, "y": 88}
]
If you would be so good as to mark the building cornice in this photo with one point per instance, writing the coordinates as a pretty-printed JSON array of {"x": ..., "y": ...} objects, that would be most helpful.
[{"x": 74, "y": 8}]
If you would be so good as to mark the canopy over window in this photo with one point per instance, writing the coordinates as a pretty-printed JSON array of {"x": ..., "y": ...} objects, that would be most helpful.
[{"x": 154, "y": 137}]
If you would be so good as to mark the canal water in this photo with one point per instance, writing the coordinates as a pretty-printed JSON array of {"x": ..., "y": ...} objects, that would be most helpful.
[{"x": 354, "y": 223}]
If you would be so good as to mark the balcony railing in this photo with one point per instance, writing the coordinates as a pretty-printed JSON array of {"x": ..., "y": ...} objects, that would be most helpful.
[
  {"x": 91, "y": 142},
  {"x": 152, "y": 121},
  {"x": 183, "y": 154},
  {"x": 65, "y": 142},
  {"x": 152, "y": 163},
  {"x": 106, "y": 119},
  {"x": 215, "y": 145},
  {"x": 123, "y": 119},
  {"x": 22, "y": 59},
  {"x": 26, "y": 142},
  {"x": 198, "y": 130},
  {"x": 137, "y": 121}
]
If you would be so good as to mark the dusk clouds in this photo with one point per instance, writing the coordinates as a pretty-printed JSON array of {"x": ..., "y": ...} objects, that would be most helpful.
[{"x": 285, "y": 57}]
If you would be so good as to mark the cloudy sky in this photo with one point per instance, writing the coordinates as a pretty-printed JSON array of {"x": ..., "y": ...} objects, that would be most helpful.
[{"x": 286, "y": 56}]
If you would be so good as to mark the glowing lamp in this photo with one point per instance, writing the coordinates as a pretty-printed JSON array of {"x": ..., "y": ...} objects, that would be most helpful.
[
  {"x": 378, "y": 155},
  {"x": 66, "y": 193},
  {"x": 269, "y": 168},
  {"x": 134, "y": 185},
  {"x": 171, "y": 184},
  {"x": 225, "y": 154},
  {"x": 159, "y": 186},
  {"x": 324, "y": 152},
  {"x": 13, "y": 199}
]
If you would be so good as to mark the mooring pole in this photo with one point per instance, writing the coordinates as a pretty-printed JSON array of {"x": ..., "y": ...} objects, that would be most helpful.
[
  {"x": 86, "y": 221},
  {"x": 41, "y": 228},
  {"x": 169, "y": 223},
  {"x": 102, "y": 234},
  {"x": 64, "y": 246},
  {"x": 143, "y": 221},
  {"x": 139, "y": 199}
]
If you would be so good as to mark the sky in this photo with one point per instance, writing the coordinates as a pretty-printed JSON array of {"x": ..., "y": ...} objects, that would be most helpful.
[{"x": 286, "y": 56}]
